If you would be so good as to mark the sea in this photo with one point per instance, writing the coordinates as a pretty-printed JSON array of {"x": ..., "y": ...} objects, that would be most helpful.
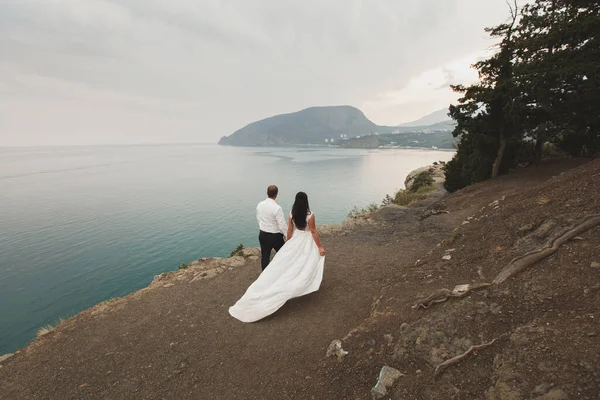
[{"x": 80, "y": 225}]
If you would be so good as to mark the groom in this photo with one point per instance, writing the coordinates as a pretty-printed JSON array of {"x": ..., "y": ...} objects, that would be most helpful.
[{"x": 272, "y": 225}]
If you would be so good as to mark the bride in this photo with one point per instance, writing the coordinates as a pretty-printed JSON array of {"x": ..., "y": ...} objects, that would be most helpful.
[{"x": 296, "y": 269}]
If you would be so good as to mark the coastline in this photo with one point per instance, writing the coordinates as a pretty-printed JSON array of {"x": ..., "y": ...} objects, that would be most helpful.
[
  {"x": 125, "y": 237},
  {"x": 302, "y": 146},
  {"x": 203, "y": 268},
  {"x": 175, "y": 338}
]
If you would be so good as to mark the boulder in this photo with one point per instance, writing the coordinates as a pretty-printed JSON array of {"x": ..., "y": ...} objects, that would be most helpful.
[{"x": 436, "y": 172}]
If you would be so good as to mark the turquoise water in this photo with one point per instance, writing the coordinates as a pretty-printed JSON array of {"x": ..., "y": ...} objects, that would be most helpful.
[{"x": 79, "y": 225}]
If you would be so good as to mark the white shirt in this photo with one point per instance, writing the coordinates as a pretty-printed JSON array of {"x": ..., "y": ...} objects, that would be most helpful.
[{"x": 270, "y": 217}]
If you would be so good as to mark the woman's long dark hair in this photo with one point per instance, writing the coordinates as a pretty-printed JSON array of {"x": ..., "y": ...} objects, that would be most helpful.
[{"x": 300, "y": 210}]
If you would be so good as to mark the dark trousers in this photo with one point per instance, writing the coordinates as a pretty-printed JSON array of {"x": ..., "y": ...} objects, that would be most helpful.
[{"x": 269, "y": 241}]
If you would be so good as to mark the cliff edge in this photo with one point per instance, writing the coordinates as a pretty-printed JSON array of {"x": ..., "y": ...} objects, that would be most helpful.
[{"x": 491, "y": 292}]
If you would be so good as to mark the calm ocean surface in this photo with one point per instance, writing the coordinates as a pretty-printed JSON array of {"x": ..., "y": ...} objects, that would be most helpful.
[{"x": 80, "y": 225}]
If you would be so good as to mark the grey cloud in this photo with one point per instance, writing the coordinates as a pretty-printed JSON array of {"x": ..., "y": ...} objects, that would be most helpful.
[
  {"x": 236, "y": 61},
  {"x": 194, "y": 20}
]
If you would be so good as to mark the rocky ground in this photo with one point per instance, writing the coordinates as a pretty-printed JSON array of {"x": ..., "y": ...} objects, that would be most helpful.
[{"x": 387, "y": 276}]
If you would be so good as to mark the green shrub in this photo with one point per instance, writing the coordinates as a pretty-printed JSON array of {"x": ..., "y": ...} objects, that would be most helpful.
[
  {"x": 407, "y": 197},
  {"x": 357, "y": 212},
  {"x": 239, "y": 248},
  {"x": 183, "y": 266},
  {"x": 423, "y": 179}
]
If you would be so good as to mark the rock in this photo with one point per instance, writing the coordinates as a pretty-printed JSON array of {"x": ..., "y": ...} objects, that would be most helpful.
[
  {"x": 249, "y": 252},
  {"x": 595, "y": 264},
  {"x": 158, "y": 278},
  {"x": 555, "y": 394},
  {"x": 387, "y": 377},
  {"x": 403, "y": 327},
  {"x": 465, "y": 222},
  {"x": 211, "y": 273},
  {"x": 335, "y": 349},
  {"x": 235, "y": 261},
  {"x": 446, "y": 257},
  {"x": 436, "y": 172},
  {"x": 418, "y": 372},
  {"x": 168, "y": 285},
  {"x": 449, "y": 251}
]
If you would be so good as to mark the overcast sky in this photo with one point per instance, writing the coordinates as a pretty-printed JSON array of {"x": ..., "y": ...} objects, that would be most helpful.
[{"x": 156, "y": 71}]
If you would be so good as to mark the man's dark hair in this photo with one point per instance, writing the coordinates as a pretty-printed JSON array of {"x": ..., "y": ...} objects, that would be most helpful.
[{"x": 272, "y": 191}]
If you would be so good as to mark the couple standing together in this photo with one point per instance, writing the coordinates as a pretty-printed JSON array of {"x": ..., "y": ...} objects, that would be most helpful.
[{"x": 296, "y": 269}]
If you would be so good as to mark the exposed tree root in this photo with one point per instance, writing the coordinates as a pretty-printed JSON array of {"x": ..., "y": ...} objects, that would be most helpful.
[
  {"x": 429, "y": 213},
  {"x": 454, "y": 360},
  {"x": 520, "y": 263},
  {"x": 440, "y": 212},
  {"x": 441, "y": 295}
]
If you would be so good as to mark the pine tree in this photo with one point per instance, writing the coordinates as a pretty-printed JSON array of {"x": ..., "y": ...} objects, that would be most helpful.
[
  {"x": 486, "y": 115},
  {"x": 557, "y": 70},
  {"x": 541, "y": 86}
]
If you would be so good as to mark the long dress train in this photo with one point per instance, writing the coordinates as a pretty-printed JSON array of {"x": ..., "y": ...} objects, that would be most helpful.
[{"x": 296, "y": 270}]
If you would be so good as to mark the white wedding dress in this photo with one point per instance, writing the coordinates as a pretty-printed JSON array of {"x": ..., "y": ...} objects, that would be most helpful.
[{"x": 296, "y": 270}]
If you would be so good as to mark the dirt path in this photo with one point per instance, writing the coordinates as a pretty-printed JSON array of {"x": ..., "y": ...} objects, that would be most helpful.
[{"x": 179, "y": 342}]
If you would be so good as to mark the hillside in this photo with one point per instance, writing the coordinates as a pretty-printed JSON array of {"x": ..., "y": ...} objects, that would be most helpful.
[
  {"x": 316, "y": 124},
  {"x": 415, "y": 289},
  {"x": 311, "y": 125}
]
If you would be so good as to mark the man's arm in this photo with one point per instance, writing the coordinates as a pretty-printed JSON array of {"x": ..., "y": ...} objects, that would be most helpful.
[{"x": 281, "y": 221}]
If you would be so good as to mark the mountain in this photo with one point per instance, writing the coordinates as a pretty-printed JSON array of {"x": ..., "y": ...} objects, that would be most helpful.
[
  {"x": 430, "y": 119},
  {"x": 315, "y": 125},
  {"x": 309, "y": 126}
]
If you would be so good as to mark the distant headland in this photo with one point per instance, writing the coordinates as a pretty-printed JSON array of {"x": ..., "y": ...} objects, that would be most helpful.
[{"x": 342, "y": 126}]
